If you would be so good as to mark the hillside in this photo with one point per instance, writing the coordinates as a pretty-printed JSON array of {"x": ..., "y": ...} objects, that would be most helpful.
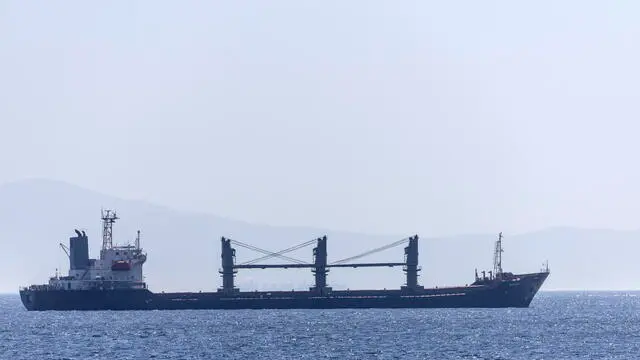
[{"x": 183, "y": 247}]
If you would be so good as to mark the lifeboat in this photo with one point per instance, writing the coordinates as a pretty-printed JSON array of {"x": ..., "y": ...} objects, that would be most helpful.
[{"x": 120, "y": 265}]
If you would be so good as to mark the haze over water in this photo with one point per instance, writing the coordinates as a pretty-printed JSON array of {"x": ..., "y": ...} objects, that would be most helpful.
[
  {"x": 370, "y": 120},
  {"x": 426, "y": 117}
]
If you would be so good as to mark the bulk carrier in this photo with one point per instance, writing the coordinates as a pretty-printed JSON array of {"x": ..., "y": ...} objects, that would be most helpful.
[{"x": 115, "y": 282}]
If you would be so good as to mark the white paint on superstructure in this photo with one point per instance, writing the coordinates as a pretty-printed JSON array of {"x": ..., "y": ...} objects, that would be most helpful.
[{"x": 117, "y": 267}]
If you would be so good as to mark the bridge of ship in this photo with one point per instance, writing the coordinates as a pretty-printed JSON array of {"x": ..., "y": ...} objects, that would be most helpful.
[{"x": 320, "y": 266}]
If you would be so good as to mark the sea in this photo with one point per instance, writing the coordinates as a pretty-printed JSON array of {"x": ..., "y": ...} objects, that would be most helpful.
[{"x": 557, "y": 325}]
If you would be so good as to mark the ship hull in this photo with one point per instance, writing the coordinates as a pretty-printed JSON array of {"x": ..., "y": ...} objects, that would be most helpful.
[{"x": 518, "y": 292}]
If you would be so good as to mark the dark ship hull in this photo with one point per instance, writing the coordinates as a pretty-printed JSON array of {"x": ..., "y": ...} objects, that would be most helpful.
[
  {"x": 518, "y": 291},
  {"x": 115, "y": 282}
]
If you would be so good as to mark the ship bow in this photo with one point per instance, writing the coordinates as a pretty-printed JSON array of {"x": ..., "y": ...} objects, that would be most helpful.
[{"x": 522, "y": 292}]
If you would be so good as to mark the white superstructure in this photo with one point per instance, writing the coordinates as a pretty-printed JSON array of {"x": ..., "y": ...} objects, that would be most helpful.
[{"x": 118, "y": 266}]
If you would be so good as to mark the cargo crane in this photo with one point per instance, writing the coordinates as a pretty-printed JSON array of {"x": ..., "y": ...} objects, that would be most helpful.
[{"x": 320, "y": 266}]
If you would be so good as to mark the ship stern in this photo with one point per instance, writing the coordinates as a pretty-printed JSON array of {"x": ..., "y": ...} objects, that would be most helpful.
[{"x": 28, "y": 298}]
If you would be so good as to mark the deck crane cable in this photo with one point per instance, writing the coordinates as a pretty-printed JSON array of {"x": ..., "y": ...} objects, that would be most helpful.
[
  {"x": 388, "y": 246},
  {"x": 254, "y": 248},
  {"x": 284, "y": 251},
  {"x": 271, "y": 253}
]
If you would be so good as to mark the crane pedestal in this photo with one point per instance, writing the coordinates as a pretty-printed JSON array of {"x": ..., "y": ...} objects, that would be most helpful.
[
  {"x": 320, "y": 270},
  {"x": 411, "y": 267}
]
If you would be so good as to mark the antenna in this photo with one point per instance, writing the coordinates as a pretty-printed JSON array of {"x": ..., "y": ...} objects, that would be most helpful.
[
  {"x": 497, "y": 257},
  {"x": 138, "y": 240},
  {"x": 108, "y": 218},
  {"x": 545, "y": 266}
]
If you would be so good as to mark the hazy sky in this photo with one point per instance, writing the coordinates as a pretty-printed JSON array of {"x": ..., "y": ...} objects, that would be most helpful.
[{"x": 434, "y": 117}]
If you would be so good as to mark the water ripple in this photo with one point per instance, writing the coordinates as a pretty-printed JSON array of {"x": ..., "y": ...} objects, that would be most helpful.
[{"x": 557, "y": 326}]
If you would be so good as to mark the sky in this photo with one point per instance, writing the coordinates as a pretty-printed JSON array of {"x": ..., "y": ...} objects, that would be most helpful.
[{"x": 426, "y": 117}]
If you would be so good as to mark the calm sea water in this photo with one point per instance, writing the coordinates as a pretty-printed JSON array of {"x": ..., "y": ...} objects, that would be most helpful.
[{"x": 571, "y": 325}]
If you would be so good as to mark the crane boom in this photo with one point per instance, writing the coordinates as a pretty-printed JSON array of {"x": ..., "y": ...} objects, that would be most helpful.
[{"x": 65, "y": 249}]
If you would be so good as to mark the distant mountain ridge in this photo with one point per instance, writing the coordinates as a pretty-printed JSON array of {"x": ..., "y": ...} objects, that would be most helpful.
[{"x": 183, "y": 247}]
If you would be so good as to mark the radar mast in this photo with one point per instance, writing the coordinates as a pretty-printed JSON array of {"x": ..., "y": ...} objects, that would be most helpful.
[
  {"x": 108, "y": 218},
  {"x": 497, "y": 257}
]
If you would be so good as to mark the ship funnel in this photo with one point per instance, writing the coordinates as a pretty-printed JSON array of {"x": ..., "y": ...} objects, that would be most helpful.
[{"x": 79, "y": 251}]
